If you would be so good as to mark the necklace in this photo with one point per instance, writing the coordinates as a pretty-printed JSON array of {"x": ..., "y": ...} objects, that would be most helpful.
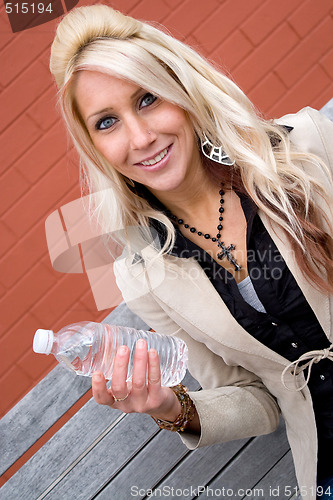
[{"x": 225, "y": 251}]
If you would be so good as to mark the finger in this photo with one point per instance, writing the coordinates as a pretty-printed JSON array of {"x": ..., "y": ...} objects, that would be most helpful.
[
  {"x": 139, "y": 377},
  {"x": 120, "y": 368},
  {"x": 154, "y": 372},
  {"x": 100, "y": 392}
]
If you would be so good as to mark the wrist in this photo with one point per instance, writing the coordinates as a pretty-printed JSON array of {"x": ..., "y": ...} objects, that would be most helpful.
[
  {"x": 170, "y": 409},
  {"x": 186, "y": 415}
]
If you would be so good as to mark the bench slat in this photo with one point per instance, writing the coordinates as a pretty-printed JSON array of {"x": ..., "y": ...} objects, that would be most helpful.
[
  {"x": 145, "y": 472},
  {"x": 255, "y": 462},
  {"x": 279, "y": 482}
]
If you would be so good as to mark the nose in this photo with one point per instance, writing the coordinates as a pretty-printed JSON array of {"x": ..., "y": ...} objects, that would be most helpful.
[{"x": 140, "y": 135}]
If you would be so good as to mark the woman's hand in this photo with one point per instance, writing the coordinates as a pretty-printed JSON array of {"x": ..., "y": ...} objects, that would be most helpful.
[{"x": 137, "y": 396}]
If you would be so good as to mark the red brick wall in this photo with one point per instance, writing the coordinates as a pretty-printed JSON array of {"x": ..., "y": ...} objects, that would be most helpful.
[{"x": 280, "y": 53}]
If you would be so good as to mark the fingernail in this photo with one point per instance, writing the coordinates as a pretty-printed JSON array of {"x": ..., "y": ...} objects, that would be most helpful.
[
  {"x": 141, "y": 343},
  {"x": 123, "y": 349},
  {"x": 97, "y": 377}
]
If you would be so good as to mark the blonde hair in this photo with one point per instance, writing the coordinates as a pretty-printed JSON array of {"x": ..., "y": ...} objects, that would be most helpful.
[{"x": 101, "y": 39}]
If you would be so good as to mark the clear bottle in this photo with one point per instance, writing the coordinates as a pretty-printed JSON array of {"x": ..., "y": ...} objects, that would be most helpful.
[{"x": 87, "y": 347}]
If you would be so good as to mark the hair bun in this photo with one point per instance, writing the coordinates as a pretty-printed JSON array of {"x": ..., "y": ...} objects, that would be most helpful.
[{"x": 80, "y": 27}]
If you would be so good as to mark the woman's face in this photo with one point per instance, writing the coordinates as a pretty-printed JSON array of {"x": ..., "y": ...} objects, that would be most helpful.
[{"x": 143, "y": 137}]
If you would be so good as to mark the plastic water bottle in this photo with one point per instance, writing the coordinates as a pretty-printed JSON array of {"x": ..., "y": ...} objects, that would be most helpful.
[{"x": 87, "y": 347}]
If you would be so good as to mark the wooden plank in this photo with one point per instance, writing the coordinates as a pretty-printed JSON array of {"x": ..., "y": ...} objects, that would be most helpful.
[
  {"x": 279, "y": 483},
  {"x": 248, "y": 468},
  {"x": 60, "y": 451},
  {"x": 24, "y": 424},
  {"x": 129, "y": 438},
  {"x": 21, "y": 427},
  {"x": 167, "y": 467}
]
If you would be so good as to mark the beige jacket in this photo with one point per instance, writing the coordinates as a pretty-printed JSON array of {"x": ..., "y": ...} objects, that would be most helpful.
[{"x": 242, "y": 392}]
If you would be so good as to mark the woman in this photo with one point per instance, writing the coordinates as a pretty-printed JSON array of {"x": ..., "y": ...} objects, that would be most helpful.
[{"x": 244, "y": 232}]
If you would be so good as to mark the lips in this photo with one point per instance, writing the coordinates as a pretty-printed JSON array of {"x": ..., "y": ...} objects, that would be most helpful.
[{"x": 152, "y": 161}]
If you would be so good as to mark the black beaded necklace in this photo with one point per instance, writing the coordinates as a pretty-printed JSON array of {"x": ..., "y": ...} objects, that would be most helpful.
[{"x": 225, "y": 251}]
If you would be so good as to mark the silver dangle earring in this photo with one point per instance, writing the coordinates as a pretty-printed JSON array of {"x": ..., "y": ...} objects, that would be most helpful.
[{"x": 215, "y": 153}]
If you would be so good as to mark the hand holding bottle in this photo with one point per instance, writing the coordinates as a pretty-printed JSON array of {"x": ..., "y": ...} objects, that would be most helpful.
[{"x": 141, "y": 395}]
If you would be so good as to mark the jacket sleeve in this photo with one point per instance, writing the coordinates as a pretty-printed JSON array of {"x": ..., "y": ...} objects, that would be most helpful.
[{"x": 233, "y": 402}]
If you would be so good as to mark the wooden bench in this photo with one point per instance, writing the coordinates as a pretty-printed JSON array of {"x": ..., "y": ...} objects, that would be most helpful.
[{"x": 101, "y": 453}]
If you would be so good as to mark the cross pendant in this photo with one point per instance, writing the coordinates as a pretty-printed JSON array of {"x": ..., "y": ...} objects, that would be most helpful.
[{"x": 226, "y": 252}]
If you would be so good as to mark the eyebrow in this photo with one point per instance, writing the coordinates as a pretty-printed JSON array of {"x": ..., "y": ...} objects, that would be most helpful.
[{"x": 108, "y": 110}]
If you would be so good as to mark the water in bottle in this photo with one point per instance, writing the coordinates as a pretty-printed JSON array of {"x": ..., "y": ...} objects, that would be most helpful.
[{"x": 87, "y": 347}]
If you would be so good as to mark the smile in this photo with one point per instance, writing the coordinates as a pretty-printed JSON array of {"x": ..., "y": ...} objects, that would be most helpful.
[{"x": 155, "y": 160}]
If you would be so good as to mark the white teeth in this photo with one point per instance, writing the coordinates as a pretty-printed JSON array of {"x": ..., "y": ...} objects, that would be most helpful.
[{"x": 157, "y": 158}]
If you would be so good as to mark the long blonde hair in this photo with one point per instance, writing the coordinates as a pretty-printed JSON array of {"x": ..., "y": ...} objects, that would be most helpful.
[{"x": 101, "y": 39}]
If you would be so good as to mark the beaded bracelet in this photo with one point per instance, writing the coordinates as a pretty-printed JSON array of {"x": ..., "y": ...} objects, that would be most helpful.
[{"x": 186, "y": 415}]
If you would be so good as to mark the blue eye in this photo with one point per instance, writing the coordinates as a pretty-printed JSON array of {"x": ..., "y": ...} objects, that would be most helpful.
[
  {"x": 147, "y": 100},
  {"x": 105, "y": 123}
]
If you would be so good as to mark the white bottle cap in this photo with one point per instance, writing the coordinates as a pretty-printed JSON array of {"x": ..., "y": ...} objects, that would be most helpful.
[{"x": 43, "y": 341}]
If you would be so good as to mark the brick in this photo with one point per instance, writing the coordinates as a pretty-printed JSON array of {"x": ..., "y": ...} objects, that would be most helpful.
[
  {"x": 323, "y": 97},
  {"x": 7, "y": 239},
  {"x": 41, "y": 157},
  {"x": 14, "y": 378},
  {"x": 267, "y": 18},
  {"x": 233, "y": 50},
  {"x": 26, "y": 293},
  {"x": 13, "y": 186},
  {"x": 34, "y": 364},
  {"x": 15, "y": 140},
  {"x": 217, "y": 24},
  {"x": 306, "y": 54},
  {"x": 88, "y": 305},
  {"x": 267, "y": 92},
  {"x": 185, "y": 19},
  {"x": 17, "y": 341},
  {"x": 62, "y": 300},
  {"x": 124, "y": 6},
  {"x": 24, "y": 50},
  {"x": 47, "y": 28},
  {"x": 150, "y": 10},
  {"x": 265, "y": 57},
  {"x": 193, "y": 43},
  {"x": 41, "y": 199},
  {"x": 6, "y": 34},
  {"x": 23, "y": 256},
  {"x": 309, "y": 15},
  {"x": 302, "y": 94},
  {"x": 173, "y": 4},
  {"x": 326, "y": 63},
  {"x": 43, "y": 111},
  {"x": 22, "y": 92}
]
